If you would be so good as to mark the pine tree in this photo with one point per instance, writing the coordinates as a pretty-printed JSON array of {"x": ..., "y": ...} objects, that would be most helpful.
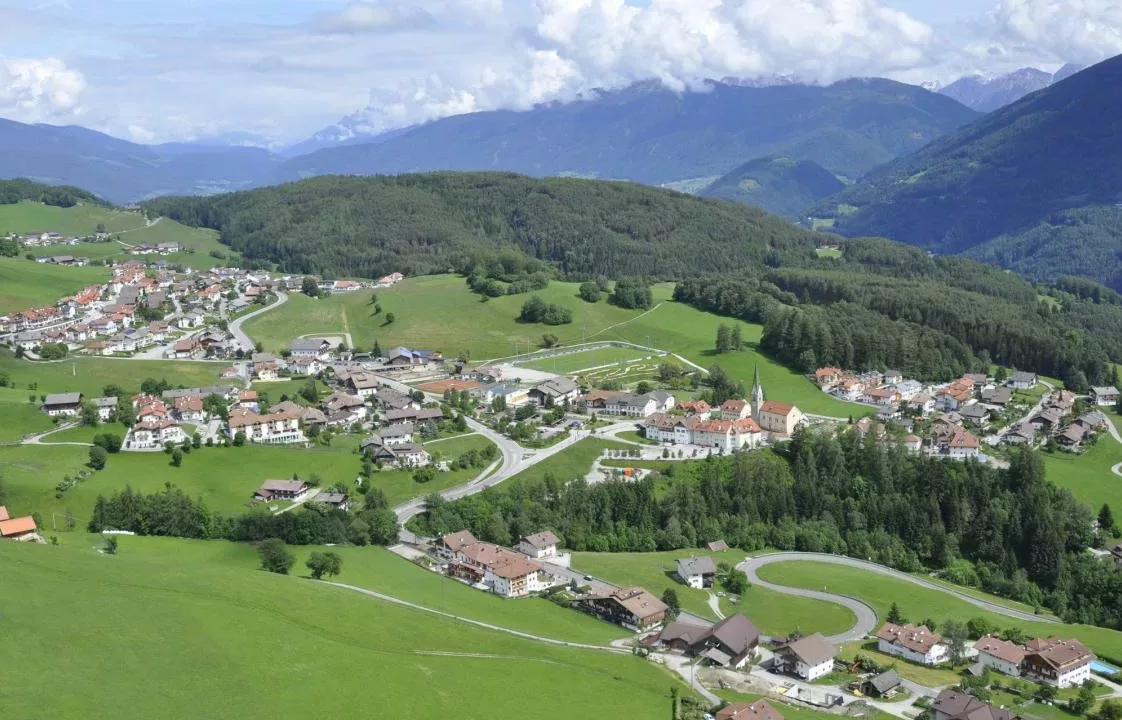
[
  {"x": 894, "y": 614},
  {"x": 1106, "y": 518}
]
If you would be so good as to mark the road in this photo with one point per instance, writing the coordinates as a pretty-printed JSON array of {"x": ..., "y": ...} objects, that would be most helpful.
[
  {"x": 236, "y": 326},
  {"x": 866, "y": 616}
]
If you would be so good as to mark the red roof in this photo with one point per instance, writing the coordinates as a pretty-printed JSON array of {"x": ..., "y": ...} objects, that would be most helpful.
[
  {"x": 776, "y": 408},
  {"x": 17, "y": 526},
  {"x": 3, "y": 513}
]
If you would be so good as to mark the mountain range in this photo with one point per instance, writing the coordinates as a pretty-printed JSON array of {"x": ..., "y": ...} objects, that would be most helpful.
[
  {"x": 1035, "y": 186},
  {"x": 780, "y": 185},
  {"x": 986, "y": 93}
]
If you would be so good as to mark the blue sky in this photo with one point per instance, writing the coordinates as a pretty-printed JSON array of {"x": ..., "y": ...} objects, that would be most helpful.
[{"x": 283, "y": 69}]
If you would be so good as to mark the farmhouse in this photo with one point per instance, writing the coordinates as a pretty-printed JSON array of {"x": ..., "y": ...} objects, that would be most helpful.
[
  {"x": 62, "y": 404},
  {"x": 631, "y": 607},
  {"x": 1104, "y": 395},
  {"x": 1056, "y": 662},
  {"x": 403, "y": 455},
  {"x": 759, "y": 710},
  {"x": 19, "y": 529},
  {"x": 539, "y": 545},
  {"x": 338, "y": 501},
  {"x": 916, "y": 644},
  {"x": 731, "y": 643},
  {"x": 294, "y": 490},
  {"x": 810, "y": 657},
  {"x": 697, "y": 572}
]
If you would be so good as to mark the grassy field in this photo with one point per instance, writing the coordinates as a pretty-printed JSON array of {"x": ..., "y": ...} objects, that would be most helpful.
[
  {"x": 230, "y": 642},
  {"x": 574, "y": 362},
  {"x": 571, "y": 463},
  {"x": 25, "y": 284},
  {"x": 224, "y": 478},
  {"x": 438, "y": 312},
  {"x": 89, "y": 375},
  {"x": 19, "y": 417},
  {"x": 918, "y": 603},
  {"x": 1088, "y": 476},
  {"x": 772, "y": 612},
  {"x": 80, "y": 220}
]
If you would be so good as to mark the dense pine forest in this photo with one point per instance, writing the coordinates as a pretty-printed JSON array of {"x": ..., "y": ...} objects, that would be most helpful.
[
  {"x": 18, "y": 190},
  {"x": 1018, "y": 534}
]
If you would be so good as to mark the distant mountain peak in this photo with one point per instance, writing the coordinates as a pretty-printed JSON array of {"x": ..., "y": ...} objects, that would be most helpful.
[{"x": 986, "y": 92}]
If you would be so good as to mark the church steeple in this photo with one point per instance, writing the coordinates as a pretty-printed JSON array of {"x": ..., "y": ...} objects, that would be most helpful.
[{"x": 757, "y": 393}]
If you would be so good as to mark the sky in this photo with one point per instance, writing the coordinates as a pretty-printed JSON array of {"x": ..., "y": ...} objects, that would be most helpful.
[{"x": 278, "y": 71}]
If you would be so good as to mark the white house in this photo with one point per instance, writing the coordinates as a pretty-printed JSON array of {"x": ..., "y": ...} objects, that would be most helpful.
[
  {"x": 311, "y": 348},
  {"x": 809, "y": 658},
  {"x": 1104, "y": 395},
  {"x": 918, "y": 644},
  {"x": 515, "y": 576},
  {"x": 1021, "y": 380},
  {"x": 1056, "y": 662},
  {"x": 62, "y": 404},
  {"x": 697, "y": 572},
  {"x": 106, "y": 406},
  {"x": 539, "y": 545},
  {"x": 153, "y": 432},
  {"x": 273, "y": 429},
  {"x": 1000, "y": 655}
]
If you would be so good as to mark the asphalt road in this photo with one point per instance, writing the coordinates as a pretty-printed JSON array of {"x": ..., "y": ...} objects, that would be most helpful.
[
  {"x": 236, "y": 326},
  {"x": 867, "y": 622}
]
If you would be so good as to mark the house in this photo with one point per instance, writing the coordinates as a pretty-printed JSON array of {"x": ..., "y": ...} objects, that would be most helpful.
[
  {"x": 310, "y": 348},
  {"x": 415, "y": 415},
  {"x": 918, "y": 644},
  {"x": 675, "y": 429},
  {"x": 955, "y": 395},
  {"x": 631, "y": 607},
  {"x": 759, "y": 710},
  {"x": 778, "y": 418},
  {"x": 1020, "y": 434},
  {"x": 189, "y": 409},
  {"x": 404, "y": 357},
  {"x": 911, "y": 443},
  {"x": 363, "y": 384},
  {"x": 20, "y": 529},
  {"x": 953, "y": 705},
  {"x": 190, "y": 320},
  {"x": 305, "y": 366},
  {"x": 292, "y": 490},
  {"x": 1072, "y": 436},
  {"x": 908, "y": 389},
  {"x": 962, "y": 445},
  {"x": 312, "y": 417},
  {"x": 809, "y": 658},
  {"x": 731, "y": 643},
  {"x": 1048, "y": 419},
  {"x": 697, "y": 572},
  {"x": 882, "y": 685},
  {"x": 883, "y": 397},
  {"x": 391, "y": 399},
  {"x": 1056, "y": 662},
  {"x": 338, "y": 501},
  {"x": 1103, "y": 395},
  {"x": 106, "y": 407},
  {"x": 630, "y": 405},
  {"x": 342, "y": 402},
  {"x": 1001, "y": 655},
  {"x": 512, "y": 394},
  {"x": 275, "y": 428},
  {"x": 998, "y": 397},
  {"x": 695, "y": 408},
  {"x": 976, "y": 414},
  {"x": 921, "y": 403},
  {"x": 556, "y": 391},
  {"x": 539, "y": 545},
  {"x": 1021, "y": 380},
  {"x": 449, "y": 545},
  {"x": 403, "y": 455},
  {"x": 515, "y": 576},
  {"x": 397, "y": 434},
  {"x": 891, "y": 377},
  {"x": 266, "y": 371},
  {"x": 733, "y": 409},
  {"x": 62, "y": 404},
  {"x": 153, "y": 432},
  {"x": 827, "y": 377},
  {"x": 188, "y": 349}
]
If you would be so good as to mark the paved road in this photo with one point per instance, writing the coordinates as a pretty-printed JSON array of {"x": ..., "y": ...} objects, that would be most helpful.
[
  {"x": 236, "y": 326},
  {"x": 866, "y": 615}
]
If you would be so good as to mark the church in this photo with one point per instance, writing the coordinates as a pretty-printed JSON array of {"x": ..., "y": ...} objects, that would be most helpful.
[{"x": 774, "y": 418}]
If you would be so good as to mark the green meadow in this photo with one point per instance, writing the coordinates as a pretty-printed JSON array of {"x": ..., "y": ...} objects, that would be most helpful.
[
  {"x": 1088, "y": 475},
  {"x": 918, "y": 603},
  {"x": 25, "y": 284},
  {"x": 221, "y": 641},
  {"x": 19, "y": 417},
  {"x": 772, "y": 612},
  {"x": 586, "y": 359},
  {"x": 89, "y": 375},
  {"x": 440, "y": 313},
  {"x": 80, "y": 220}
]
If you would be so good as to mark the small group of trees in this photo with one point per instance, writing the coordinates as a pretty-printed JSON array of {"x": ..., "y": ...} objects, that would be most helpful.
[
  {"x": 632, "y": 293},
  {"x": 729, "y": 339},
  {"x": 536, "y": 310}
]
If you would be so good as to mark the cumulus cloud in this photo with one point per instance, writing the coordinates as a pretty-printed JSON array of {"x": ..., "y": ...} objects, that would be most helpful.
[
  {"x": 37, "y": 89},
  {"x": 1080, "y": 31}
]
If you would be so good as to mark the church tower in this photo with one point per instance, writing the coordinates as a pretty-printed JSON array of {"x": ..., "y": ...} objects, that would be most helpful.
[{"x": 757, "y": 394}]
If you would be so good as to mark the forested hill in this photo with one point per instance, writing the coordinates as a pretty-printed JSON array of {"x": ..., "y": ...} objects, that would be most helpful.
[
  {"x": 1035, "y": 186},
  {"x": 14, "y": 191},
  {"x": 651, "y": 134},
  {"x": 780, "y": 185},
  {"x": 420, "y": 224}
]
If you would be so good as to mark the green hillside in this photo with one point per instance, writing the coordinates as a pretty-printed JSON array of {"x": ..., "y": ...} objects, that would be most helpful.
[
  {"x": 780, "y": 185},
  {"x": 25, "y": 284},
  {"x": 1034, "y": 186},
  {"x": 227, "y": 642}
]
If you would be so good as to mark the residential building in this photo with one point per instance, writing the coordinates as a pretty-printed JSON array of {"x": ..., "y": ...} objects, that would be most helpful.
[
  {"x": 106, "y": 407},
  {"x": 292, "y": 490},
  {"x": 809, "y": 658},
  {"x": 631, "y": 607},
  {"x": 189, "y": 409},
  {"x": 1020, "y": 434},
  {"x": 515, "y": 576},
  {"x": 363, "y": 384},
  {"x": 274, "y": 428},
  {"x": 1056, "y": 662},
  {"x": 918, "y": 644},
  {"x": 20, "y": 529},
  {"x": 305, "y": 366},
  {"x": 695, "y": 408},
  {"x": 1001, "y": 655},
  {"x": 758, "y": 710},
  {"x": 953, "y": 705},
  {"x": 882, "y": 685},
  {"x": 397, "y": 434},
  {"x": 697, "y": 572},
  {"x": 976, "y": 414},
  {"x": 1021, "y": 380},
  {"x": 153, "y": 432},
  {"x": 404, "y": 357},
  {"x": 997, "y": 397},
  {"x": 733, "y": 409},
  {"x": 778, "y": 418},
  {"x": 956, "y": 395},
  {"x": 827, "y": 377},
  {"x": 1103, "y": 395},
  {"x": 62, "y": 404},
  {"x": 556, "y": 391},
  {"x": 415, "y": 415},
  {"x": 962, "y": 445},
  {"x": 1072, "y": 436},
  {"x": 403, "y": 455},
  {"x": 450, "y": 545},
  {"x": 539, "y": 545},
  {"x": 731, "y": 643},
  {"x": 922, "y": 404},
  {"x": 310, "y": 348},
  {"x": 338, "y": 501},
  {"x": 266, "y": 371},
  {"x": 391, "y": 399}
]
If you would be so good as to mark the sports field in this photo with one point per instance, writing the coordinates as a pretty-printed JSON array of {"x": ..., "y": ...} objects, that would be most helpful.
[
  {"x": 572, "y": 362},
  {"x": 223, "y": 641},
  {"x": 772, "y": 612},
  {"x": 89, "y": 375},
  {"x": 25, "y": 284},
  {"x": 919, "y": 603},
  {"x": 440, "y": 313},
  {"x": 225, "y": 478}
]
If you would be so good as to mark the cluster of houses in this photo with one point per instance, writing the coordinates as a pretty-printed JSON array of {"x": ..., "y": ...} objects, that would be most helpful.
[
  {"x": 496, "y": 569},
  {"x": 164, "y": 248},
  {"x": 1053, "y": 661},
  {"x": 297, "y": 491},
  {"x": 42, "y": 239},
  {"x": 1056, "y": 419}
]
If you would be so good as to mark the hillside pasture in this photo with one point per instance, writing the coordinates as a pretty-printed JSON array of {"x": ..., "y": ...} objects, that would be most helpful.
[
  {"x": 89, "y": 375},
  {"x": 77, "y": 221},
  {"x": 25, "y": 284}
]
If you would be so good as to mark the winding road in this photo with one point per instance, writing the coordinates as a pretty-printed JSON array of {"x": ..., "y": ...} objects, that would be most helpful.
[
  {"x": 236, "y": 326},
  {"x": 867, "y": 622}
]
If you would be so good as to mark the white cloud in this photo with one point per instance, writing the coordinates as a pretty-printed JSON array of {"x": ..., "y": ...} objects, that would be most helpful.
[
  {"x": 368, "y": 17},
  {"x": 1080, "y": 31},
  {"x": 38, "y": 89}
]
